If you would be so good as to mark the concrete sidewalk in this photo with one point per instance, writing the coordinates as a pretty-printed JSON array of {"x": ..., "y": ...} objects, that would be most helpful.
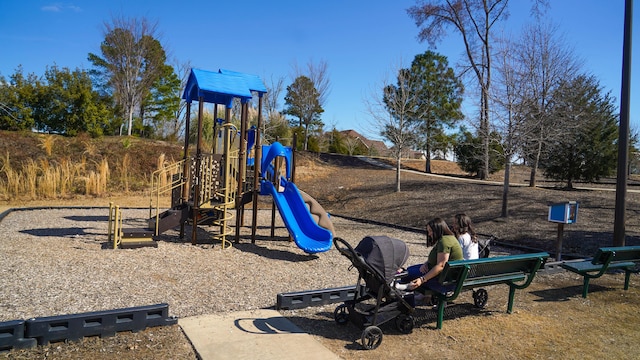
[{"x": 258, "y": 334}]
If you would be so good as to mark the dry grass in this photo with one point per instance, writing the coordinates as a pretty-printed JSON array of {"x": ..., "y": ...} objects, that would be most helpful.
[
  {"x": 166, "y": 169},
  {"x": 124, "y": 171},
  {"x": 77, "y": 157},
  {"x": 90, "y": 148},
  {"x": 550, "y": 320},
  {"x": 95, "y": 182},
  {"x": 42, "y": 178},
  {"x": 46, "y": 143}
]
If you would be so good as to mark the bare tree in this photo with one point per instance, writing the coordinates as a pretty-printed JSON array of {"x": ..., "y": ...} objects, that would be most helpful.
[
  {"x": 183, "y": 70},
  {"x": 270, "y": 98},
  {"x": 132, "y": 60},
  {"x": 355, "y": 145},
  {"x": 509, "y": 122},
  {"x": 474, "y": 21},
  {"x": 275, "y": 124},
  {"x": 547, "y": 60},
  {"x": 393, "y": 110},
  {"x": 319, "y": 75}
]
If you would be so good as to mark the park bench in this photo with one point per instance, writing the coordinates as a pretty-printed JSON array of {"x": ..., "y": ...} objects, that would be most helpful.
[
  {"x": 517, "y": 271},
  {"x": 606, "y": 258}
]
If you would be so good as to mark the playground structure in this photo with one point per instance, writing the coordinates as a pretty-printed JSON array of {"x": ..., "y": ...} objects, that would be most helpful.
[{"x": 207, "y": 187}]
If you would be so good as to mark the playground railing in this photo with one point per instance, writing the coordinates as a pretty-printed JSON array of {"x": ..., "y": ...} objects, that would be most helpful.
[
  {"x": 115, "y": 225},
  {"x": 166, "y": 180}
]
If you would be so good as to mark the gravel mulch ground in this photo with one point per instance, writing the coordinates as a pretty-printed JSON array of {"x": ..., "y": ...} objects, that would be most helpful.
[{"x": 62, "y": 265}]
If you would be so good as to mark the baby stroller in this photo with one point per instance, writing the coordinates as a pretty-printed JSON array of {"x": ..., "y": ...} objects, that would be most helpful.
[{"x": 376, "y": 301}]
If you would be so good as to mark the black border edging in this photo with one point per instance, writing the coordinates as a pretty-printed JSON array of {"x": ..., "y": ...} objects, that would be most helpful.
[
  {"x": 20, "y": 334},
  {"x": 12, "y": 336},
  {"x": 303, "y": 299},
  {"x": 5, "y": 213},
  {"x": 379, "y": 223}
]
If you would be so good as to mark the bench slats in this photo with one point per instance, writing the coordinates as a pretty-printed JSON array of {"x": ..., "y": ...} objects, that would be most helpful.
[
  {"x": 494, "y": 280},
  {"x": 619, "y": 253},
  {"x": 517, "y": 271},
  {"x": 588, "y": 266}
]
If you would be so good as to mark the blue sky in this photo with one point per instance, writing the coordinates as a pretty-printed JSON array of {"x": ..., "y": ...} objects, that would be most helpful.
[{"x": 362, "y": 41}]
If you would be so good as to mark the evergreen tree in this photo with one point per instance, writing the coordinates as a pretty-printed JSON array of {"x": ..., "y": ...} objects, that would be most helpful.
[
  {"x": 337, "y": 142},
  {"x": 588, "y": 151},
  {"x": 302, "y": 101},
  {"x": 443, "y": 144},
  {"x": 162, "y": 102},
  {"x": 439, "y": 97},
  {"x": 62, "y": 101},
  {"x": 469, "y": 152}
]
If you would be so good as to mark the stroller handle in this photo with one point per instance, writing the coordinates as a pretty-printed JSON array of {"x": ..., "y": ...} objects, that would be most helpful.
[{"x": 344, "y": 247}]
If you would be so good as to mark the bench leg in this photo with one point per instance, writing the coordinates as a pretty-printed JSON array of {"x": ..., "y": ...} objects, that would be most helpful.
[
  {"x": 627, "y": 276},
  {"x": 512, "y": 295},
  {"x": 441, "y": 305},
  {"x": 585, "y": 287}
]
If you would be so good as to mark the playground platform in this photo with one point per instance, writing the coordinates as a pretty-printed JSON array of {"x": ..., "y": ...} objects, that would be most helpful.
[{"x": 263, "y": 334}]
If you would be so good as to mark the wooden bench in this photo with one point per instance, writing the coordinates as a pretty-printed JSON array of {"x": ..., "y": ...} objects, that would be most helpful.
[
  {"x": 606, "y": 258},
  {"x": 517, "y": 271}
]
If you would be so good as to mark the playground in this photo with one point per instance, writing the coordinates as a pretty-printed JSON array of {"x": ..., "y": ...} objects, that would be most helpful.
[
  {"x": 57, "y": 260},
  {"x": 62, "y": 261}
]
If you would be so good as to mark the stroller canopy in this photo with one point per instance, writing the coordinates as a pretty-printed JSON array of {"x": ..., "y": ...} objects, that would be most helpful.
[{"x": 384, "y": 254}]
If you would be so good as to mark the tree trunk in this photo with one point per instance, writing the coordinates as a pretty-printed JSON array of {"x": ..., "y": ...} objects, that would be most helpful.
[
  {"x": 484, "y": 130},
  {"x": 306, "y": 137},
  {"x": 428, "y": 162},
  {"x": 398, "y": 164},
  {"x": 130, "y": 120},
  {"x": 505, "y": 188},
  {"x": 534, "y": 167}
]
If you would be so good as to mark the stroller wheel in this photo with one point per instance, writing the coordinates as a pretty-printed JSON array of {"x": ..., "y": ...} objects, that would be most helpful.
[
  {"x": 405, "y": 324},
  {"x": 480, "y": 298},
  {"x": 340, "y": 315},
  {"x": 371, "y": 337}
]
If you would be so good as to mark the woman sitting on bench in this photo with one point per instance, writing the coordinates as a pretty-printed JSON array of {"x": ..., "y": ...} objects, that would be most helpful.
[{"x": 445, "y": 248}]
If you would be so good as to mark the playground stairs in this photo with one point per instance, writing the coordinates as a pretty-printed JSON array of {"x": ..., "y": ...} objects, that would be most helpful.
[
  {"x": 127, "y": 238},
  {"x": 136, "y": 238}
]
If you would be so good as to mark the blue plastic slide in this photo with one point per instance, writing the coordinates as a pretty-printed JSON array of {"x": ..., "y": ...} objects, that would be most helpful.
[{"x": 303, "y": 228}]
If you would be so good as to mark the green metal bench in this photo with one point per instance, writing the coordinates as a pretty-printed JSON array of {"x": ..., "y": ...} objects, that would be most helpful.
[
  {"x": 607, "y": 258},
  {"x": 517, "y": 271}
]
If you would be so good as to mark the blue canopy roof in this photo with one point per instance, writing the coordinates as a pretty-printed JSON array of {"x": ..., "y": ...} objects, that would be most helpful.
[
  {"x": 254, "y": 82},
  {"x": 220, "y": 87}
]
